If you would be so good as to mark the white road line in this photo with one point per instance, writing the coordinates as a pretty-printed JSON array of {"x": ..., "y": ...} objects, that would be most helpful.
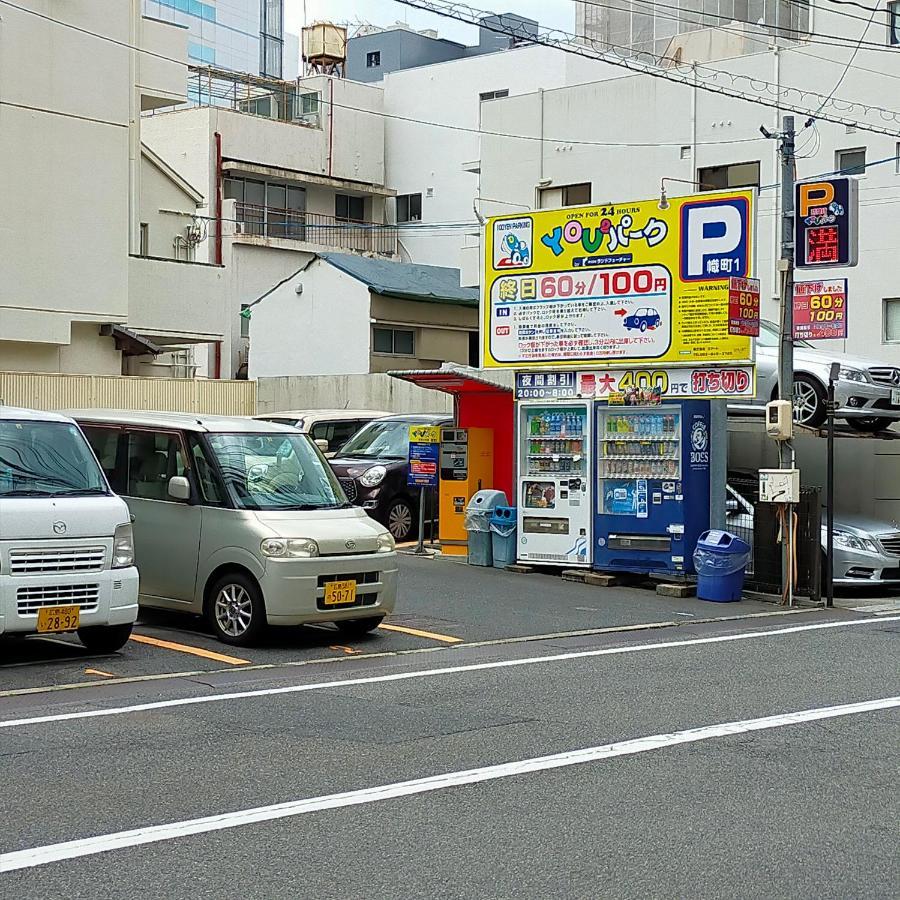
[
  {"x": 152, "y": 834},
  {"x": 431, "y": 673}
]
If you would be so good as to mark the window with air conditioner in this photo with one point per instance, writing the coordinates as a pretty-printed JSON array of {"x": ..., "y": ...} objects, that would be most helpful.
[{"x": 409, "y": 208}]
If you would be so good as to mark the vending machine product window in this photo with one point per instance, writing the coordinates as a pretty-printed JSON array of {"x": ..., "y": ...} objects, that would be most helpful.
[
  {"x": 555, "y": 441},
  {"x": 632, "y": 449}
]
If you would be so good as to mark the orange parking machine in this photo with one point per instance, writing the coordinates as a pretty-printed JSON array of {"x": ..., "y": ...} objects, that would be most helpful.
[{"x": 467, "y": 466}]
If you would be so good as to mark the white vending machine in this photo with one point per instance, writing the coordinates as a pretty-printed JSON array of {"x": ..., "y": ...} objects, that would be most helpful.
[{"x": 554, "y": 483}]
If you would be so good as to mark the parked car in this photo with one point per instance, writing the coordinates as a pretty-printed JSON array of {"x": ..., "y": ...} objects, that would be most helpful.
[
  {"x": 244, "y": 522},
  {"x": 66, "y": 545},
  {"x": 867, "y": 392},
  {"x": 643, "y": 318},
  {"x": 372, "y": 468},
  {"x": 329, "y": 428},
  {"x": 866, "y": 551}
]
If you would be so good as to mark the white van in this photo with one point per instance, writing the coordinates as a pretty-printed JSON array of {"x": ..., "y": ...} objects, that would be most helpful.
[
  {"x": 243, "y": 521},
  {"x": 66, "y": 548}
]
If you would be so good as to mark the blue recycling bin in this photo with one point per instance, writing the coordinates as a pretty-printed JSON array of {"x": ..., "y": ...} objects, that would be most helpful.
[
  {"x": 720, "y": 560},
  {"x": 478, "y": 525},
  {"x": 503, "y": 536}
]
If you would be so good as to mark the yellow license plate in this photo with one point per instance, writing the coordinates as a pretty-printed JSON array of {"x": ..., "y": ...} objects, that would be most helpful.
[
  {"x": 340, "y": 593},
  {"x": 58, "y": 618}
]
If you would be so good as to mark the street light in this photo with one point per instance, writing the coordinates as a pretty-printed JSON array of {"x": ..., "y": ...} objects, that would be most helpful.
[{"x": 664, "y": 200}]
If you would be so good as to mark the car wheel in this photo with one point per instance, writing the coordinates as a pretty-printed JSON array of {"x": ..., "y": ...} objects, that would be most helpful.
[
  {"x": 358, "y": 627},
  {"x": 809, "y": 401},
  {"x": 236, "y": 610},
  {"x": 400, "y": 520},
  {"x": 105, "y": 638},
  {"x": 869, "y": 424},
  {"x": 643, "y": 326}
]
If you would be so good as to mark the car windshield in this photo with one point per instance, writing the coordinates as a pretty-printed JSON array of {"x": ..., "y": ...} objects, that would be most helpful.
[
  {"x": 381, "y": 439},
  {"x": 47, "y": 459},
  {"x": 275, "y": 471}
]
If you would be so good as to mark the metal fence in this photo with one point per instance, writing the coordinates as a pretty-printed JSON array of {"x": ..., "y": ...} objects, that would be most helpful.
[
  {"x": 762, "y": 527},
  {"x": 316, "y": 228}
]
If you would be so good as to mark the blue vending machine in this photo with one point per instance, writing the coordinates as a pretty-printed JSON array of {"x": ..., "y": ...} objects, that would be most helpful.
[{"x": 652, "y": 477}]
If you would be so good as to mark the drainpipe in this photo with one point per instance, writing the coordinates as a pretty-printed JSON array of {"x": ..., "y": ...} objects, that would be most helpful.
[
  {"x": 217, "y": 364},
  {"x": 134, "y": 130},
  {"x": 330, "y": 125}
]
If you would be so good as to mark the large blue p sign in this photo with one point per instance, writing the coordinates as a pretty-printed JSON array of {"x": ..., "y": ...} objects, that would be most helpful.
[{"x": 715, "y": 239}]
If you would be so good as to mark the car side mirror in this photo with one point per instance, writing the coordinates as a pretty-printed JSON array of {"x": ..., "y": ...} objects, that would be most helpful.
[
  {"x": 731, "y": 505},
  {"x": 179, "y": 488},
  {"x": 322, "y": 444}
]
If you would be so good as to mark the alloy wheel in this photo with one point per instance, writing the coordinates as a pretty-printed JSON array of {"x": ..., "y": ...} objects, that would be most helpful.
[
  {"x": 806, "y": 402},
  {"x": 400, "y": 521},
  {"x": 233, "y": 610}
]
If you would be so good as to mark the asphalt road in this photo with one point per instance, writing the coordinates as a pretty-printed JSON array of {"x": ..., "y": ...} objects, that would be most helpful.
[{"x": 418, "y": 767}]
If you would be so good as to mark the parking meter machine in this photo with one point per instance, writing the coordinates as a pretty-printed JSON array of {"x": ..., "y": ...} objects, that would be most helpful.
[{"x": 652, "y": 486}]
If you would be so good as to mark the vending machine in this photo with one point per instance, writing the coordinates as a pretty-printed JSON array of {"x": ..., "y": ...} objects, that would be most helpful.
[
  {"x": 652, "y": 473},
  {"x": 554, "y": 483}
]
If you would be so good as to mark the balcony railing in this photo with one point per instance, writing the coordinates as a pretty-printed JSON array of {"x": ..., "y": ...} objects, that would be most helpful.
[{"x": 316, "y": 228}]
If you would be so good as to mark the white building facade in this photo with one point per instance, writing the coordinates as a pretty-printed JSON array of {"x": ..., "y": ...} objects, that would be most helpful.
[{"x": 96, "y": 260}]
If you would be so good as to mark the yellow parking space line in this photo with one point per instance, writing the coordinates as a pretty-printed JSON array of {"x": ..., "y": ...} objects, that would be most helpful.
[
  {"x": 415, "y": 632},
  {"x": 185, "y": 648}
]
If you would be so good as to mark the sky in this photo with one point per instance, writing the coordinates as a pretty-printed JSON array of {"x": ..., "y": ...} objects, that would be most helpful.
[{"x": 553, "y": 13}]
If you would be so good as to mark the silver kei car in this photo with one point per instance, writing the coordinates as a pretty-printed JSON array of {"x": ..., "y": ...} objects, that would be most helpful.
[{"x": 867, "y": 392}]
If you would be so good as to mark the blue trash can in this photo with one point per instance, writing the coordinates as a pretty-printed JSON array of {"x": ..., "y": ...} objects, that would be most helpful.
[
  {"x": 503, "y": 536},
  {"x": 720, "y": 560},
  {"x": 478, "y": 525}
]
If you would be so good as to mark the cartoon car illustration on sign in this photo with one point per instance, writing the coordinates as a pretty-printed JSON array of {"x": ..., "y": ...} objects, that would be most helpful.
[{"x": 643, "y": 318}]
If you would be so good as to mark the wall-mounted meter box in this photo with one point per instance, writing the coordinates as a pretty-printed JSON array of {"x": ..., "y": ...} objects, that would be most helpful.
[
  {"x": 780, "y": 420},
  {"x": 779, "y": 485}
]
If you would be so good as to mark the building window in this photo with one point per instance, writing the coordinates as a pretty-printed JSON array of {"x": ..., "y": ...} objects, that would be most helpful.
[
  {"x": 686, "y": 151},
  {"x": 202, "y": 54},
  {"x": 891, "y": 319},
  {"x": 409, "y": 208},
  {"x": 494, "y": 95},
  {"x": 851, "y": 162},
  {"x": 245, "y": 320},
  {"x": 144, "y": 248},
  {"x": 396, "y": 341},
  {"x": 894, "y": 24},
  {"x": 271, "y": 37},
  {"x": 349, "y": 209},
  {"x": 736, "y": 175},
  {"x": 576, "y": 194},
  {"x": 373, "y": 60}
]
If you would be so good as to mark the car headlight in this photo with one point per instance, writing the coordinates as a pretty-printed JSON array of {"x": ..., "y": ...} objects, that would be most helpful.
[
  {"x": 853, "y": 542},
  {"x": 289, "y": 548},
  {"x": 373, "y": 476},
  {"x": 123, "y": 547},
  {"x": 848, "y": 374},
  {"x": 386, "y": 543}
]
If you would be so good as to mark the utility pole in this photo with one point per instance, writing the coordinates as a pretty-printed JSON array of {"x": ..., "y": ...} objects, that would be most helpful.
[{"x": 786, "y": 261}]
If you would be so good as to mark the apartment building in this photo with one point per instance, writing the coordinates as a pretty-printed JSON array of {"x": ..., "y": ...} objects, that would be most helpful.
[
  {"x": 98, "y": 272},
  {"x": 293, "y": 169}
]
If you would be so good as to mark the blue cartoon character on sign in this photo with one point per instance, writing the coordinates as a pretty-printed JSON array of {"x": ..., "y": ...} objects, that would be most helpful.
[
  {"x": 642, "y": 319},
  {"x": 517, "y": 251}
]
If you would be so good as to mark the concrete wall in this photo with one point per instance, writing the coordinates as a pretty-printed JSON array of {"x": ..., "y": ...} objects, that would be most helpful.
[
  {"x": 399, "y": 49},
  {"x": 357, "y": 391},
  {"x": 87, "y": 353},
  {"x": 161, "y": 197},
  {"x": 322, "y": 331}
]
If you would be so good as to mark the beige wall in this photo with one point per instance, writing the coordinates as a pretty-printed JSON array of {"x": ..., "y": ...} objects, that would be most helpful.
[
  {"x": 158, "y": 193},
  {"x": 441, "y": 329},
  {"x": 88, "y": 353}
]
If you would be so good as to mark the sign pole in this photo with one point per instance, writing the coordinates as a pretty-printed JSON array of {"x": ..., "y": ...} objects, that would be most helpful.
[
  {"x": 829, "y": 486},
  {"x": 420, "y": 548}
]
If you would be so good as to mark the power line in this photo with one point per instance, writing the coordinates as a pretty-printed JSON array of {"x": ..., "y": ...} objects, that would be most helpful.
[
  {"x": 567, "y": 43},
  {"x": 66, "y": 115}
]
